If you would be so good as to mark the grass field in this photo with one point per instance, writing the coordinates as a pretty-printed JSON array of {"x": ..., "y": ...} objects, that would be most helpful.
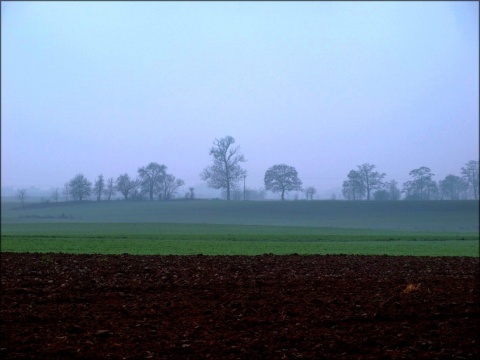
[{"x": 436, "y": 228}]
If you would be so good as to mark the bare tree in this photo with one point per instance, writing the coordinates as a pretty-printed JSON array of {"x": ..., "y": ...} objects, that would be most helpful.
[
  {"x": 22, "y": 195},
  {"x": 169, "y": 186},
  {"x": 125, "y": 186},
  {"x": 190, "y": 194},
  {"x": 66, "y": 190},
  {"x": 451, "y": 187},
  {"x": 225, "y": 172},
  {"x": 99, "y": 187},
  {"x": 309, "y": 192},
  {"x": 282, "y": 178},
  {"x": 151, "y": 177},
  {"x": 80, "y": 187},
  {"x": 353, "y": 188},
  {"x": 470, "y": 174},
  {"x": 55, "y": 194},
  {"x": 371, "y": 180},
  {"x": 422, "y": 187},
  {"x": 110, "y": 189}
]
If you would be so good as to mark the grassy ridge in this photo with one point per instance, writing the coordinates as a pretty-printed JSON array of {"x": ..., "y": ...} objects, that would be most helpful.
[
  {"x": 244, "y": 228},
  {"x": 451, "y": 216}
]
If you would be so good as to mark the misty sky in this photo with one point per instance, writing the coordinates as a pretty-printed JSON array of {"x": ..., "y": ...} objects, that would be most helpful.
[{"x": 107, "y": 87}]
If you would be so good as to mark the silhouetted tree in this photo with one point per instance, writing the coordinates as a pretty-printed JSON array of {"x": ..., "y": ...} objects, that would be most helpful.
[
  {"x": 282, "y": 178},
  {"x": 353, "y": 188},
  {"x": 190, "y": 194},
  {"x": 22, "y": 195},
  {"x": 151, "y": 177},
  {"x": 394, "y": 192},
  {"x": 55, "y": 194},
  {"x": 225, "y": 172},
  {"x": 99, "y": 187},
  {"x": 470, "y": 174},
  {"x": 125, "y": 186},
  {"x": 452, "y": 187},
  {"x": 110, "y": 189},
  {"x": 371, "y": 180},
  {"x": 80, "y": 187},
  {"x": 422, "y": 187},
  {"x": 66, "y": 190},
  {"x": 168, "y": 187},
  {"x": 309, "y": 192}
]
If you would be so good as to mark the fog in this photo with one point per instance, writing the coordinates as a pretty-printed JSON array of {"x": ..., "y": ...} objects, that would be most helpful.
[{"x": 107, "y": 87}]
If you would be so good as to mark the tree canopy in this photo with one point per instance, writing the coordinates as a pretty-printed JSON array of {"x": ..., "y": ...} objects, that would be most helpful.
[{"x": 282, "y": 178}]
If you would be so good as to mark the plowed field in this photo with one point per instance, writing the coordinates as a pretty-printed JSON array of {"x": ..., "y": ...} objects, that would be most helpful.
[{"x": 56, "y": 306}]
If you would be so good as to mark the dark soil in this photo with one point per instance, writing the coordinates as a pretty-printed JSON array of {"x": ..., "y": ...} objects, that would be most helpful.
[{"x": 57, "y": 306}]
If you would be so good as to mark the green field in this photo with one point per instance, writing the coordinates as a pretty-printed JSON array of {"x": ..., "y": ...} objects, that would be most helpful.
[{"x": 435, "y": 228}]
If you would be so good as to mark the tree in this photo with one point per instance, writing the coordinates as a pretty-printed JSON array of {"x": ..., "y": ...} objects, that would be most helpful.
[
  {"x": 124, "y": 185},
  {"x": 470, "y": 174},
  {"x": 422, "y": 187},
  {"x": 389, "y": 191},
  {"x": 394, "y": 192},
  {"x": 66, "y": 190},
  {"x": 55, "y": 194},
  {"x": 371, "y": 180},
  {"x": 353, "y": 188},
  {"x": 309, "y": 192},
  {"x": 282, "y": 178},
  {"x": 381, "y": 195},
  {"x": 150, "y": 178},
  {"x": 99, "y": 187},
  {"x": 169, "y": 186},
  {"x": 110, "y": 189},
  {"x": 190, "y": 195},
  {"x": 225, "y": 172},
  {"x": 80, "y": 187},
  {"x": 22, "y": 195},
  {"x": 451, "y": 187}
]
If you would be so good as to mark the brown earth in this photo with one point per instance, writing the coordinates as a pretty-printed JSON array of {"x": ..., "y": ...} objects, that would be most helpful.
[{"x": 56, "y": 306}]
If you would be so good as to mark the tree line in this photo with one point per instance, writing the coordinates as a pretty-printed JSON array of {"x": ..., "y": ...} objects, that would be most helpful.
[
  {"x": 367, "y": 183},
  {"x": 153, "y": 182}
]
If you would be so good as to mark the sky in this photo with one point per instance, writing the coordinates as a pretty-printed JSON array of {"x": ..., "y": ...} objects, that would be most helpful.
[{"x": 108, "y": 87}]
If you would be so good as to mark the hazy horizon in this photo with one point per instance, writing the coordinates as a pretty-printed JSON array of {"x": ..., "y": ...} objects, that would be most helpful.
[{"x": 108, "y": 87}]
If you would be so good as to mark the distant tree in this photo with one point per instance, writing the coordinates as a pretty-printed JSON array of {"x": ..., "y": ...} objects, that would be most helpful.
[
  {"x": 381, "y": 195},
  {"x": 371, "y": 180},
  {"x": 99, "y": 187},
  {"x": 389, "y": 191},
  {"x": 470, "y": 174},
  {"x": 190, "y": 195},
  {"x": 225, "y": 172},
  {"x": 282, "y": 178},
  {"x": 125, "y": 185},
  {"x": 66, "y": 190},
  {"x": 110, "y": 188},
  {"x": 353, "y": 188},
  {"x": 137, "y": 194},
  {"x": 55, "y": 194},
  {"x": 452, "y": 187},
  {"x": 422, "y": 187},
  {"x": 169, "y": 186},
  {"x": 151, "y": 177},
  {"x": 255, "y": 194},
  {"x": 22, "y": 195},
  {"x": 310, "y": 192},
  {"x": 394, "y": 192},
  {"x": 79, "y": 187}
]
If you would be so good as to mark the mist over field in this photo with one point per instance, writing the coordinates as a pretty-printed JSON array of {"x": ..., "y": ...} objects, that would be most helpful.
[{"x": 105, "y": 88}]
